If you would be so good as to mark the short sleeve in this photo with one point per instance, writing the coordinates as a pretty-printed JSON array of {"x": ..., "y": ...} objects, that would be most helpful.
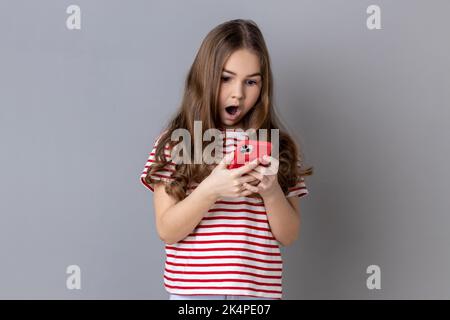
[
  {"x": 163, "y": 174},
  {"x": 299, "y": 189}
]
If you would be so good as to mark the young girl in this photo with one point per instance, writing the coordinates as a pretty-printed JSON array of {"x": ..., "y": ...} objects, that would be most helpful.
[{"x": 223, "y": 227}]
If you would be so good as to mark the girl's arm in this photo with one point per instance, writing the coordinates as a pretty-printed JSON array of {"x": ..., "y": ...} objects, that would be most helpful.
[
  {"x": 176, "y": 220},
  {"x": 283, "y": 216}
]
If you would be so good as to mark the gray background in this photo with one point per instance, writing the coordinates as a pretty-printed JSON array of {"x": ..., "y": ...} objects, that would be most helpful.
[{"x": 79, "y": 112}]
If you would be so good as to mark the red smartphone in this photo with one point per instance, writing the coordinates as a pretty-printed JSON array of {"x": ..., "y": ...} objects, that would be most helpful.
[{"x": 248, "y": 150}]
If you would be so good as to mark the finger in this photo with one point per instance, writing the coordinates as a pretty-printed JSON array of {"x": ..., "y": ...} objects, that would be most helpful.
[
  {"x": 271, "y": 169},
  {"x": 246, "y": 168},
  {"x": 250, "y": 187},
  {"x": 256, "y": 175},
  {"x": 264, "y": 159},
  {"x": 246, "y": 178},
  {"x": 246, "y": 193},
  {"x": 241, "y": 190},
  {"x": 226, "y": 160},
  {"x": 260, "y": 169}
]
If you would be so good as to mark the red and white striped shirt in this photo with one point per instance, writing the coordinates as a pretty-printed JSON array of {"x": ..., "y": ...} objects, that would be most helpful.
[{"x": 232, "y": 251}]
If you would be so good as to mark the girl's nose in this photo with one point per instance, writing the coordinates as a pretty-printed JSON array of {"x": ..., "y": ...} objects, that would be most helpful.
[{"x": 238, "y": 92}]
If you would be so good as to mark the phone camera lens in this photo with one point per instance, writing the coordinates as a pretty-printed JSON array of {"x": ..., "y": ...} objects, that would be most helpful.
[{"x": 246, "y": 148}]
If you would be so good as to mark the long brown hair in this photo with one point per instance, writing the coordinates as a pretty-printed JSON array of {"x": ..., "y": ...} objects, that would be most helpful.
[{"x": 200, "y": 103}]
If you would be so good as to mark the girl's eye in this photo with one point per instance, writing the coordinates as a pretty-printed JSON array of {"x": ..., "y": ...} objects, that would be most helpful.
[{"x": 248, "y": 82}]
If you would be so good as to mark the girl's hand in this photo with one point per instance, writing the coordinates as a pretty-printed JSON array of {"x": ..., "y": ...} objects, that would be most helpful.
[
  {"x": 223, "y": 182},
  {"x": 266, "y": 175}
]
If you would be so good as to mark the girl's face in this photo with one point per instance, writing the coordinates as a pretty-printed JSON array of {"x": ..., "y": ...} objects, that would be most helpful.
[{"x": 239, "y": 88}]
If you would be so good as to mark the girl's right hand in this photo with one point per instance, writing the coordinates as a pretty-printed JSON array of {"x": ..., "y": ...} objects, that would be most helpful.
[{"x": 223, "y": 182}]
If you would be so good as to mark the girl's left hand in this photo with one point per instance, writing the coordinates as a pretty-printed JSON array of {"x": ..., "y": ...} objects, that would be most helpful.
[{"x": 267, "y": 176}]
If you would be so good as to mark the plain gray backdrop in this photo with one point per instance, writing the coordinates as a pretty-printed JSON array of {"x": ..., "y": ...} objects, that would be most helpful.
[{"x": 80, "y": 109}]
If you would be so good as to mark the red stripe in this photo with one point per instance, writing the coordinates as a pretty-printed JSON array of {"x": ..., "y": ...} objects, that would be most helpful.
[
  {"x": 237, "y": 210},
  {"x": 297, "y": 188},
  {"x": 235, "y": 218},
  {"x": 165, "y": 154},
  {"x": 197, "y": 234},
  {"x": 168, "y": 163},
  {"x": 220, "y": 264},
  {"x": 225, "y": 249},
  {"x": 233, "y": 226},
  {"x": 231, "y": 288},
  {"x": 223, "y": 272},
  {"x": 149, "y": 186},
  {"x": 225, "y": 280},
  {"x": 232, "y": 241},
  {"x": 224, "y": 257}
]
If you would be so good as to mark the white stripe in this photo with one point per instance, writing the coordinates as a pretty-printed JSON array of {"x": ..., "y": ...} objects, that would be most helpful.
[
  {"x": 232, "y": 237},
  {"x": 235, "y": 222},
  {"x": 233, "y": 229},
  {"x": 228, "y": 245},
  {"x": 276, "y": 287},
  {"x": 222, "y": 253},
  {"x": 277, "y": 260}
]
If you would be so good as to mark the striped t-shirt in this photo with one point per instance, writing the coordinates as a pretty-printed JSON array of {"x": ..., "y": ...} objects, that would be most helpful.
[{"x": 232, "y": 251}]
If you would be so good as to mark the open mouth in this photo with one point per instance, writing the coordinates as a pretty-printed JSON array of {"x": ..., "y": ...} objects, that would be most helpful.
[{"x": 231, "y": 110}]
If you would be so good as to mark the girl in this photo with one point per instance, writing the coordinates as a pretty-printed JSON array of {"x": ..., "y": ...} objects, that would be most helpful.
[{"x": 223, "y": 227}]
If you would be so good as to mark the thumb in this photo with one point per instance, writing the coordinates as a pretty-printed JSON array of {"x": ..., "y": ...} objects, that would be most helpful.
[{"x": 226, "y": 160}]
